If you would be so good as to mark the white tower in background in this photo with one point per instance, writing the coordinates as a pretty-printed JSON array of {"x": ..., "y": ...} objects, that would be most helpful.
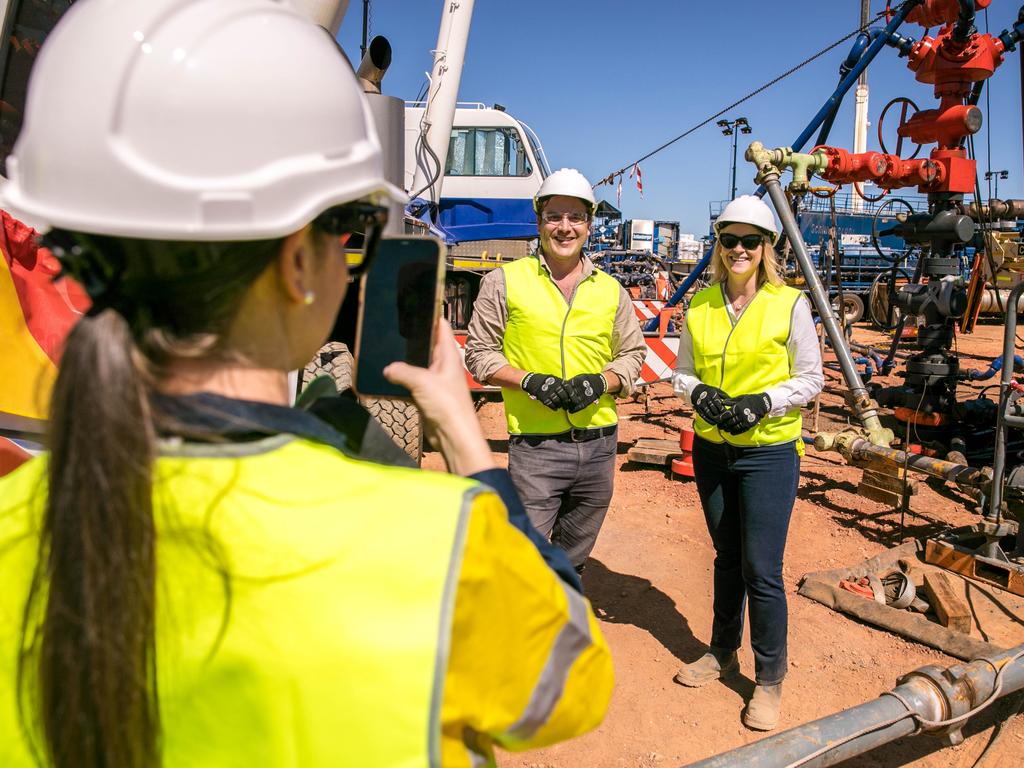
[{"x": 860, "y": 115}]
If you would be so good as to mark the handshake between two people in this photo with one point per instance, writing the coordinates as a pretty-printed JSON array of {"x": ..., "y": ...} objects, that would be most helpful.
[
  {"x": 573, "y": 394},
  {"x": 734, "y": 415}
]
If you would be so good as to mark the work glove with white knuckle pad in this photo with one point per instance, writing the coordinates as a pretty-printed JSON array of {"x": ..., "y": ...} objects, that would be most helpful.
[
  {"x": 584, "y": 390},
  {"x": 548, "y": 389},
  {"x": 745, "y": 412},
  {"x": 709, "y": 403}
]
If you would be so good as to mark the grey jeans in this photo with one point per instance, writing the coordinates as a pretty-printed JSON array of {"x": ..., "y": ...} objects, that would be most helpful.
[{"x": 566, "y": 488}]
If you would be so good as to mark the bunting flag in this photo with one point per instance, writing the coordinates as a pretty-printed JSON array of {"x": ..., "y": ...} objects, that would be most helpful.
[
  {"x": 618, "y": 193},
  {"x": 639, "y": 179}
]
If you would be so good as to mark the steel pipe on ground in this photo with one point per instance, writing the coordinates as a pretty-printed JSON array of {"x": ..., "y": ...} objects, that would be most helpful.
[
  {"x": 860, "y": 450},
  {"x": 929, "y": 699}
]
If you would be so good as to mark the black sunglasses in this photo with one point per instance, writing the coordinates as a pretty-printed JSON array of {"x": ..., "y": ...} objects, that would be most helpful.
[
  {"x": 364, "y": 221},
  {"x": 750, "y": 242}
]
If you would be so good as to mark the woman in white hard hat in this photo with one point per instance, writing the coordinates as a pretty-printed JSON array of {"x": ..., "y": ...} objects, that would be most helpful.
[
  {"x": 196, "y": 574},
  {"x": 748, "y": 359}
]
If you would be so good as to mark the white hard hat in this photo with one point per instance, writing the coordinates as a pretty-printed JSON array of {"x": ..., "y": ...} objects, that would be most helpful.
[
  {"x": 190, "y": 120},
  {"x": 568, "y": 182},
  {"x": 749, "y": 209}
]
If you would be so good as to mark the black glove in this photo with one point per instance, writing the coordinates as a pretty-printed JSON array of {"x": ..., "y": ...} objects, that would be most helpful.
[
  {"x": 709, "y": 403},
  {"x": 584, "y": 390},
  {"x": 746, "y": 411},
  {"x": 548, "y": 389}
]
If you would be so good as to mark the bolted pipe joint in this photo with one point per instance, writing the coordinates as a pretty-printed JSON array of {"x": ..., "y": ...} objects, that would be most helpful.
[{"x": 948, "y": 692}]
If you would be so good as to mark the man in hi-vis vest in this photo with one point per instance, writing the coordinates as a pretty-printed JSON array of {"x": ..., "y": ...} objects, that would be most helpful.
[{"x": 560, "y": 338}]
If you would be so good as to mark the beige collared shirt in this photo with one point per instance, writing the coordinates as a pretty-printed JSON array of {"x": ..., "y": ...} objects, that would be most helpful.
[{"x": 490, "y": 316}]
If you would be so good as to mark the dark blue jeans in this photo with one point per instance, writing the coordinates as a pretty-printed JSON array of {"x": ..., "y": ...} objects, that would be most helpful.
[{"x": 748, "y": 495}]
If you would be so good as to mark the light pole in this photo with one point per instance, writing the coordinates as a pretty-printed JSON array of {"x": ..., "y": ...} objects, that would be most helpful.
[
  {"x": 997, "y": 175},
  {"x": 734, "y": 128}
]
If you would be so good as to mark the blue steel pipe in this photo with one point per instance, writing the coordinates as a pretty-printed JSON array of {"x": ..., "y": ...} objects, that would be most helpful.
[
  {"x": 864, "y": 39},
  {"x": 994, "y": 367},
  {"x": 848, "y": 82}
]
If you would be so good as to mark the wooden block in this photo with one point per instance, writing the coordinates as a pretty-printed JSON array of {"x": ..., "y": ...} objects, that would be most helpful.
[
  {"x": 649, "y": 450},
  {"x": 881, "y": 495},
  {"x": 962, "y": 560},
  {"x": 890, "y": 482},
  {"x": 951, "y": 610}
]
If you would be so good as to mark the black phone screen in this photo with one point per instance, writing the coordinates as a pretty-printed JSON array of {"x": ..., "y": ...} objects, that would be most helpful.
[{"x": 400, "y": 300}]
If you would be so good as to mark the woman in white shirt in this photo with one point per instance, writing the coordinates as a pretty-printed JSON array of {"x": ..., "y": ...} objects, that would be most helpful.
[{"x": 748, "y": 359}]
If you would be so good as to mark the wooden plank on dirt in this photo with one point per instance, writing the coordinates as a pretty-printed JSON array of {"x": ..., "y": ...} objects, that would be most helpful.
[
  {"x": 650, "y": 450},
  {"x": 890, "y": 482},
  {"x": 946, "y": 555},
  {"x": 881, "y": 495},
  {"x": 951, "y": 610}
]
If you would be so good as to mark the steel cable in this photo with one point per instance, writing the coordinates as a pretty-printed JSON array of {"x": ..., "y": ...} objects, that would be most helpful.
[{"x": 607, "y": 179}]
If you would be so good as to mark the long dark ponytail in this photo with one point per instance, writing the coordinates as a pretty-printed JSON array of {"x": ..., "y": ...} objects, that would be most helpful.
[
  {"x": 97, "y": 694},
  {"x": 87, "y": 667}
]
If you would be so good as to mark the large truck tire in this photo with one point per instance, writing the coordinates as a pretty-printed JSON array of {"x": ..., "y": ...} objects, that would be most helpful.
[
  {"x": 400, "y": 419},
  {"x": 853, "y": 307},
  {"x": 332, "y": 360}
]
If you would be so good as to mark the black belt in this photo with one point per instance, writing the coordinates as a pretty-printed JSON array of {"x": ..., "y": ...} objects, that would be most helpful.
[{"x": 574, "y": 435}]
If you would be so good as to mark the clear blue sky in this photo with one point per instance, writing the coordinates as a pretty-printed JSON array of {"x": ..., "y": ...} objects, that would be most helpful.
[{"x": 605, "y": 81}]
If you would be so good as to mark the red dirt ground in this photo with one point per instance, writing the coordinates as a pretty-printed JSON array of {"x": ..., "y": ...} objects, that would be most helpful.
[{"x": 649, "y": 581}]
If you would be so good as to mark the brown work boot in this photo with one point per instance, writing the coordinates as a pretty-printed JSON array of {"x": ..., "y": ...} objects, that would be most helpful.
[
  {"x": 762, "y": 712},
  {"x": 708, "y": 668}
]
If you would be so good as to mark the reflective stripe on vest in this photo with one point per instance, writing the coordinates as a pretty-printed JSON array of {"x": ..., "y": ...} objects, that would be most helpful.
[
  {"x": 545, "y": 334},
  {"x": 745, "y": 357},
  {"x": 335, "y": 646}
]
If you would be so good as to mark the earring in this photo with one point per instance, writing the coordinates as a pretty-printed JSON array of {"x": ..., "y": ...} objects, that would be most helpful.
[{"x": 308, "y": 298}]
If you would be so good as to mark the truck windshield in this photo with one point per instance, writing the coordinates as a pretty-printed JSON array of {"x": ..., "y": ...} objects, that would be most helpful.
[{"x": 487, "y": 152}]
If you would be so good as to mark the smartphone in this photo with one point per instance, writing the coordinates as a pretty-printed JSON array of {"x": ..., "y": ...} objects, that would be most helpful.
[{"x": 399, "y": 301}]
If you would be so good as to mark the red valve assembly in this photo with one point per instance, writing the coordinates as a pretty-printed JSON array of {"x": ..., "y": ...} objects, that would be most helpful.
[{"x": 953, "y": 61}]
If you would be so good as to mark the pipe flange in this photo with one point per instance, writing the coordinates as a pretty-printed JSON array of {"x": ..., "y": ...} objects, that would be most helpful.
[{"x": 955, "y": 697}]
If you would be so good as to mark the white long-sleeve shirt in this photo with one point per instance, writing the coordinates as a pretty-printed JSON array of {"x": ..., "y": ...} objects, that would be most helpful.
[{"x": 803, "y": 385}]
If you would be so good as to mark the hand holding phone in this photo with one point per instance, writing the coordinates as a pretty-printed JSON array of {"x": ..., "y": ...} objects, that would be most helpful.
[{"x": 400, "y": 299}]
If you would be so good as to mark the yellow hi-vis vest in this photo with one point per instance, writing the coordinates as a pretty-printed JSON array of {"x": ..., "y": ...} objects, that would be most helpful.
[
  {"x": 326, "y": 641},
  {"x": 544, "y": 334},
  {"x": 745, "y": 357}
]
